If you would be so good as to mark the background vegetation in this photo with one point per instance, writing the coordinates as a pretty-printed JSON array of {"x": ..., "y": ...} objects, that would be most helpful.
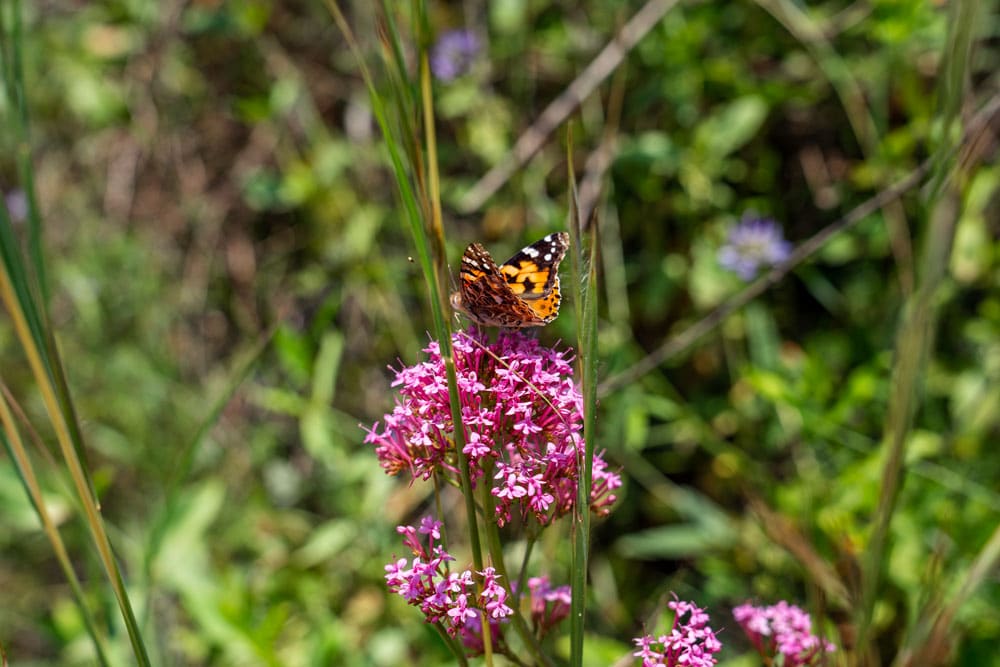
[{"x": 229, "y": 280}]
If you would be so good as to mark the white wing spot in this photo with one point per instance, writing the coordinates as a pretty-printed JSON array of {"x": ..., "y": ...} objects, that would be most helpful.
[
  {"x": 530, "y": 252},
  {"x": 548, "y": 257}
]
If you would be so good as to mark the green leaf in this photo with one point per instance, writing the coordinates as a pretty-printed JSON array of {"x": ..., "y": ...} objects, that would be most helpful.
[{"x": 730, "y": 128}]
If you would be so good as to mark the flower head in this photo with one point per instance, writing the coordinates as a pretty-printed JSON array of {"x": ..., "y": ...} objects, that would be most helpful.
[
  {"x": 522, "y": 416},
  {"x": 690, "y": 642},
  {"x": 549, "y": 605},
  {"x": 453, "y": 53},
  {"x": 446, "y": 597},
  {"x": 753, "y": 244},
  {"x": 782, "y": 629}
]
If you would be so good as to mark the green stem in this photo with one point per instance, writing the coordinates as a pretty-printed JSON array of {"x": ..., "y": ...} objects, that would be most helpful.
[
  {"x": 496, "y": 554},
  {"x": 523, "y": 576},
  {"x": 585, "y": 279}
]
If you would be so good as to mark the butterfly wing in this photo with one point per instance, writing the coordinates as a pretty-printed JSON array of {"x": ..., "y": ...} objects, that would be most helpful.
[
  {"x": 533, "y": 272},
  {"x": 533, "y": 275}
]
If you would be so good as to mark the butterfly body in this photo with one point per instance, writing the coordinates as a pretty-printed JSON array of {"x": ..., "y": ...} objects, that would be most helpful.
[{"x": 521, "y": 292}]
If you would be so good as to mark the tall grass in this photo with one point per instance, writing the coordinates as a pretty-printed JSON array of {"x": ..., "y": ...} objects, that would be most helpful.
[
  {"x": 419, "y": 190},
  {"x": 23, "y": 292},
  {"x": 585, "y": 243},
  {"x": 918, "y": 324}
]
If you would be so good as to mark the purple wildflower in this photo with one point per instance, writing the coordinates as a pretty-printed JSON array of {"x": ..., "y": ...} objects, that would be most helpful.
[
  {"x": 753, "y": 244},
  {"x": 522, "y": 416},
  {"x": 690, "y": 643},
  {"x": 453, "y": 53},
  {"x": 782, "y": 629},
  {"x": 446, "y": 597}
]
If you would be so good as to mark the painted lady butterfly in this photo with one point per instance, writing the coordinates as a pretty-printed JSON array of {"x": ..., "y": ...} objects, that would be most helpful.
[{"x": 521, "y": 292}]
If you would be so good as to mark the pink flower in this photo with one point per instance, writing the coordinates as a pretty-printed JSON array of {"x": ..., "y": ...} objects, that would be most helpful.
[
  {"x": 690, "y": 643},
  {"x": 446, "y": 597},
  {"x": 549, "y": 605},
  {"x": 782, "y": 629},
  {"x": 522, "y": 414}
]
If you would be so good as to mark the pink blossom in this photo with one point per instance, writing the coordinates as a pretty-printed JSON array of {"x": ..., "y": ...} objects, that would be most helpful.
[
  {"x": 445, "y": 597},
  {"x": 549, "y": 605},
  {"x": 782, "y": 629},
  {"x": 522, "y": 414},
  {"x": 690, "y": 642}
]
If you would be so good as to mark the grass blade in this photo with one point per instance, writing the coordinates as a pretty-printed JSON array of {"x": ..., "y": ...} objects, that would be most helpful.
[
  {"x": 18, "y": 454},
  {"x": 431, "y": 269},
  {"x": 23, "y": 295},
  {"x": 917, "y": 326},
  {"x": 585, "y": 291}
]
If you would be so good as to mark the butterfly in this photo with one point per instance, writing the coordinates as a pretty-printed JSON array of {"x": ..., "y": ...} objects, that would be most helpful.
[{"x": 521, "y": 292}]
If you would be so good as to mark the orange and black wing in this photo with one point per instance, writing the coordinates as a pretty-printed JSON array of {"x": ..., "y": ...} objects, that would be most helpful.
[{"x": 533, "y": 274}]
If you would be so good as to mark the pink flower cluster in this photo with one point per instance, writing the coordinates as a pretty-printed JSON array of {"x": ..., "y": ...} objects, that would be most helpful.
[
  {"x": 445, "y": 597},
  {"x": 690, "y": 643},
  {"x": 522, "y": 414},
  {"x": 549, "y": 605},
  {"x": 782, "y": 629}
]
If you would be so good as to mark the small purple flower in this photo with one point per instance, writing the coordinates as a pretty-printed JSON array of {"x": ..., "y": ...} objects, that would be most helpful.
[
  {"x": 522, "y": 414},
  {"x": 753, "y": 244},
  {"x": 494, "y": 595},
  {"x": 453, "y": 54},
  {"x": 430, "y": 526},
  {"x": 690, "y": 643},
  {"x": 782, "y": 629}
]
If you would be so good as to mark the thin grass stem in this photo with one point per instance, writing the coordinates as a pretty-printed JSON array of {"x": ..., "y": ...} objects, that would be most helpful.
[
  {"x": 415, "y": 221},
  {"x": 24, "y": 295},
  {"x": 938, "y": 642},
  {"x": 586, "y": 293},
  {"x": 19, "y": 455},
  {"x": 76, "y": 469},
  {"x": 919, "y": 321},
  {"x": 496, "y": 554}
]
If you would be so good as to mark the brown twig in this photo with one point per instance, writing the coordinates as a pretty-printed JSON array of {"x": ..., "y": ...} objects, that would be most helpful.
[
  {"x": 560, "y": 108},
  {"x": 599, "y": 161}
]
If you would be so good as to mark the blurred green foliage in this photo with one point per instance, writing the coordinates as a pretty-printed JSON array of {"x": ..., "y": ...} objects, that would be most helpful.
[{"x": 216, "y": 199}]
